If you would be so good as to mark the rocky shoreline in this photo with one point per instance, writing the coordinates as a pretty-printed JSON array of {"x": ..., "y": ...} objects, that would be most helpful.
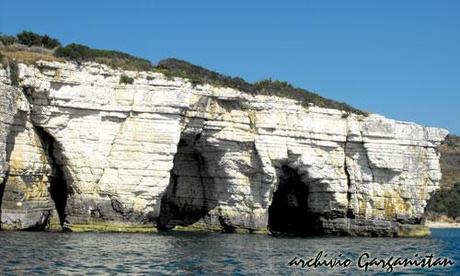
[{"x": 437, "y": 224}]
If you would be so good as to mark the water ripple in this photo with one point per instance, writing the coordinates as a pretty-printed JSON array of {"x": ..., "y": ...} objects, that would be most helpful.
[{"x": 178, "y": 253}]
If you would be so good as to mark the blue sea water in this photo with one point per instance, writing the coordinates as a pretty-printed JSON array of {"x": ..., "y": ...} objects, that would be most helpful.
[{"x": 180, "y": 253}]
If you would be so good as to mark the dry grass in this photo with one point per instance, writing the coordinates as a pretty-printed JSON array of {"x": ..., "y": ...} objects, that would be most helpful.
[{"x": 27, "y": 56}]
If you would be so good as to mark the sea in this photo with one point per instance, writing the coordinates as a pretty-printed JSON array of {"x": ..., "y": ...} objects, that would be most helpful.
[{"x": 195, "y": 253}]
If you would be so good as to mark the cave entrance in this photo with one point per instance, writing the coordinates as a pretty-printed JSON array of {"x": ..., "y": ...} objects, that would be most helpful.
[
  {"x": 58, "y": 185},
  {"x": 289, "y": 213},
  {"x": 185, "y": 200}
]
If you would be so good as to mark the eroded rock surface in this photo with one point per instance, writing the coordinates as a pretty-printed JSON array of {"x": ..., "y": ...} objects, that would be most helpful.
[{"x": 162, "y": 152}]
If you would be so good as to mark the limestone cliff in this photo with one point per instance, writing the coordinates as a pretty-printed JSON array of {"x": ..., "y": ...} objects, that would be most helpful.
[{"x": 79, "y": 146}]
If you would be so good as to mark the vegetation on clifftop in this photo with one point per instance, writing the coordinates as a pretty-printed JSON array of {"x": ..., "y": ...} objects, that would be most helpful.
[
  {"x": 30, "y": 39},
  {"x": 8, "y": 40},
  {"x": 446, "y": 200},
  {"x": 172, "y": 67},
  {"x": 81, "y": 53},
  {"x": 169, "y": 67},
  {"x": 199, "y": 75},
  {"x": 450, "y": 161}
]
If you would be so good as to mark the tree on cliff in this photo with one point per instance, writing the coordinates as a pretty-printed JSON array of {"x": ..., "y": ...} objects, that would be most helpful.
[
  {"x": 446, "y": 202},
  {"x": 33, "y": 39}
]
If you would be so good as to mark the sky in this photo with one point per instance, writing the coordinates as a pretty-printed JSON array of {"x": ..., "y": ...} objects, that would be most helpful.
[{"x": 397, "y": 58}]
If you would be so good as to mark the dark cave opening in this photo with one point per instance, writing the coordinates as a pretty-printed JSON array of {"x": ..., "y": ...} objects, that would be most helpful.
[
  {"x": 289, "y": 213},
  {"x": 59, "y": 191},
  {"x": 2, "y": 190},
  {"x": 185, "y": 200}
]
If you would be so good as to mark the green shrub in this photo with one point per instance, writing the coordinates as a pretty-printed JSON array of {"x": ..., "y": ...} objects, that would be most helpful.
[
  {"x": 33, "y": 39},
  {"x": 49, "y": 42},
  {"x": 285, "y": 89},
  {"x": 7, "y": 39},
  {"x": 165, "y": 72},
  {"x": 115, "y": 59},
  {"x": 29, "y": 38},
  {"x": 126, "y": 80},
  {"x": 446, "y": 201},
  {"x": 14, "y": 73},
  {"x": 75, "y": 52},
  {"x": 198, "y": 75}
]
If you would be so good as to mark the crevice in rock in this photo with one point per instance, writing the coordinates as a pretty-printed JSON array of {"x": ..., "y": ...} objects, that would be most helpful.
[
  {"x": 226, "y": 227},
  {"x": 289, "y": 212},
  {"x": 260, "y": 179},
  {"x": 126, "y": 212},
  {"x": 40, "y": 225},
  {"x": 2, "y": 190},
  {"x": 200, "y": 162},
  {"x": 349, "y": 210},
  {"x": 122, "y": 123},
  {"x": 59, "y": 189},
  {"x": 368, "y": 160}
]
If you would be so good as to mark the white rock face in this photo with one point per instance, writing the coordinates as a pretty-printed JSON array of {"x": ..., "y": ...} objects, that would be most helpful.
[
  {"x": 7, "y": 110},
  {"x": 163, "y": 152},
  {"x": 26, "y": 171}
]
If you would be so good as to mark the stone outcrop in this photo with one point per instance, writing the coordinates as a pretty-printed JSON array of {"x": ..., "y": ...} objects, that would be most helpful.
[{"x": 80, "y": 147}]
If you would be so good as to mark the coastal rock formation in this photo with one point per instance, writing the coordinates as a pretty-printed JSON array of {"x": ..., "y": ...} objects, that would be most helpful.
[{"x": 81, "y": 147}]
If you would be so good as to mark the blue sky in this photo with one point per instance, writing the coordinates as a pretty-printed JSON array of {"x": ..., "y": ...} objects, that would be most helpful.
[{"x": 397, "y": 58}]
